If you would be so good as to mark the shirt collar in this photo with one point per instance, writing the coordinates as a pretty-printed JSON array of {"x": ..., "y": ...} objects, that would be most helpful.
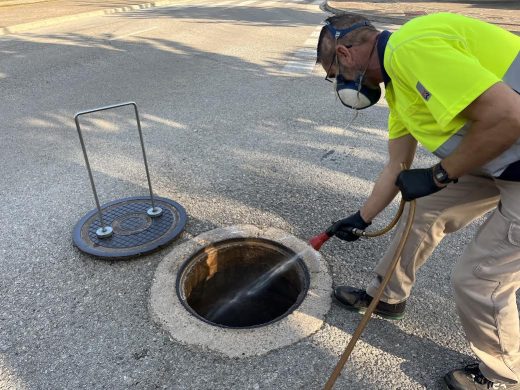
[{"x": 381, "y": 46}]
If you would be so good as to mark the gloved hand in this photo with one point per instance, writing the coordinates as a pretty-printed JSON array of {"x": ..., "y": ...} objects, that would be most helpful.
[
  {"x": 343, "y": 228},
  {"x": 416, "y": 183}
]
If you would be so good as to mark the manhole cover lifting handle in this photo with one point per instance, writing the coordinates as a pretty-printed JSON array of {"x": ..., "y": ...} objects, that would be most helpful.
[
  {"x": 153, "y": 211},
  {"x": 106, "y": 231}
]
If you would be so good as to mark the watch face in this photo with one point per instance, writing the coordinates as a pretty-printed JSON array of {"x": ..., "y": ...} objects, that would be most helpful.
[{"x": 441, "y": 175}]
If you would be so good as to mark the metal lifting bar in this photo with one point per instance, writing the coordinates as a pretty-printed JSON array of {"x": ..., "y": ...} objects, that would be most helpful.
[{"x": 106, "y": 231}]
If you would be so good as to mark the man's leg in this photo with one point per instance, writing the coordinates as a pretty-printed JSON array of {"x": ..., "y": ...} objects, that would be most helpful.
[
  {"x": 436, "y": 215},
  {"x": 486, "y": 280}
]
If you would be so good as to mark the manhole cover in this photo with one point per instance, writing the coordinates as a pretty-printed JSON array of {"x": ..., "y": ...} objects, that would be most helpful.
[
  {"x": 243, "y": 283},
  {"x": 134, "y": 231}
]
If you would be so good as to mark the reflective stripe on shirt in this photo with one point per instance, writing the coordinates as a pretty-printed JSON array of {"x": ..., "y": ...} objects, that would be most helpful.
[{"x": 511, "y": 155}]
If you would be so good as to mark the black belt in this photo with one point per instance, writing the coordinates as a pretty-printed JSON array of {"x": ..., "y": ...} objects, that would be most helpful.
[{"x": 512, "y": 172}]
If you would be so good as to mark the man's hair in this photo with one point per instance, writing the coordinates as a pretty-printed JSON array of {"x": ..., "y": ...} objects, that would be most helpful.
[{"x": 326, "y": 41}]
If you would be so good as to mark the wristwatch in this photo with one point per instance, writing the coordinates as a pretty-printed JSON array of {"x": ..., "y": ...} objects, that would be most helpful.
[{"x": 441, "y": 175}]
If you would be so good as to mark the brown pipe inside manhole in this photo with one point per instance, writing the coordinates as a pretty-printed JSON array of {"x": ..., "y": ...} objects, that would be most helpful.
[{"x": 243, "y": 282}]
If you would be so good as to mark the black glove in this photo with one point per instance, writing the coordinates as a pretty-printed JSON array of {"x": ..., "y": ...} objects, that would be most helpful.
[
  {"x": 343, "y": 228},
  {"x": 416, "y": 183}
]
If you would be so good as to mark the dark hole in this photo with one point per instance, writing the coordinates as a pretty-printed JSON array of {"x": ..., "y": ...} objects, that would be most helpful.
[{"x": 243, "y": 283}]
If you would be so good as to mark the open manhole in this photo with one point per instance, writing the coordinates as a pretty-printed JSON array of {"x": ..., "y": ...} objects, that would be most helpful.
[
  {"x": 243, "y": 282},
  {"x": 241, "y": 291}
]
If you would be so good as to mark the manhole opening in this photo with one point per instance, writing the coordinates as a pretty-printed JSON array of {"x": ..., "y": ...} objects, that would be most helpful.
[{"x": 243, "y": 283}]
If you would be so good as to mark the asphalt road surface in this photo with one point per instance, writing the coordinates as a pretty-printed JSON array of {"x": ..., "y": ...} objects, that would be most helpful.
[{"x": 240, "y": 127}]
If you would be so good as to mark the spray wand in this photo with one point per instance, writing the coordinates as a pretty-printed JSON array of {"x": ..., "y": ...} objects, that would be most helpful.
[{"x": 317, "y": 241}]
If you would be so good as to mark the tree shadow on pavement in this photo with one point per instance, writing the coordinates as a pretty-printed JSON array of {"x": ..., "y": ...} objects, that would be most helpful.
[{"x": 253, "y": 17}]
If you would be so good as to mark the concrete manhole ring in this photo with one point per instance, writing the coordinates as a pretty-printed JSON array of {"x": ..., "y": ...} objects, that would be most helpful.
[{"x": 305, "y": 314}]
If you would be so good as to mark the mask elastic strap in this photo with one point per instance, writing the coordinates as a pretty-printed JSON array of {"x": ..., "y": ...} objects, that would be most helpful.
[
  {"x": 370, "y": 56},
  {"x": 351, "y": 121},
  {"x": 360, "y": 85},
  {"x": 360, "y": 82},
  {"x": 340, "y": 33}
]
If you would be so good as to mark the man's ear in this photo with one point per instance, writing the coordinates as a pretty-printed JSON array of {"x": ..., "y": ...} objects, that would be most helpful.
[{"x": 344, "y": 55}]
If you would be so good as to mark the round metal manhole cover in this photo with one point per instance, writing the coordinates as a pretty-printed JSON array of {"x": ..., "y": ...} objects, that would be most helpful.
[
  {"x": 243, "y": 283},
  {"x": 134, "y": 231}
]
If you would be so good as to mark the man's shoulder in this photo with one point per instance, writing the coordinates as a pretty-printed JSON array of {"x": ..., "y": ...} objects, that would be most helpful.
[{"x": 439, "y": 25}]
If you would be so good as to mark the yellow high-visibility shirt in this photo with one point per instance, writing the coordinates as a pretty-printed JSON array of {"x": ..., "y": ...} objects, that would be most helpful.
[{"x": 438, "y": 65}]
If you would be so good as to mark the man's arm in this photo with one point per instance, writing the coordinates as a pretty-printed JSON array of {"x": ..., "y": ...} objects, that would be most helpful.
[
  {"x": 400, "y": 150},
  {"x": 495, "y": 117}
]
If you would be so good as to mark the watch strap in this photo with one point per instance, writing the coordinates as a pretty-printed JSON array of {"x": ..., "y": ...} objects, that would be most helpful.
[{"x": 441, "y": 175}]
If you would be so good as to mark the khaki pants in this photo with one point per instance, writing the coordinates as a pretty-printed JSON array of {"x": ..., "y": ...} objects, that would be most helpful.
[{"x": 487, "y": 275}]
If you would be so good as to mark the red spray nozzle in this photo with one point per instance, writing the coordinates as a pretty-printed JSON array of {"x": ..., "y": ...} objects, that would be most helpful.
[{"x": 317, "y": 241}]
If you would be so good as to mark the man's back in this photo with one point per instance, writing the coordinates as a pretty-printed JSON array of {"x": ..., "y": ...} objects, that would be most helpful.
[{"x": 439, "y": 64}]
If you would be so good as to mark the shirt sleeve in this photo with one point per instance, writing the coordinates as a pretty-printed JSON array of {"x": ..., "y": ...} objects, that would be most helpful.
[
  {"x": 443, "y": 73},
  {"x": 396, "y": 128}
]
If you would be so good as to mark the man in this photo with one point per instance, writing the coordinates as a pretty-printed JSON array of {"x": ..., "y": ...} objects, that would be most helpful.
[{"x": 452, "y": 84}]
